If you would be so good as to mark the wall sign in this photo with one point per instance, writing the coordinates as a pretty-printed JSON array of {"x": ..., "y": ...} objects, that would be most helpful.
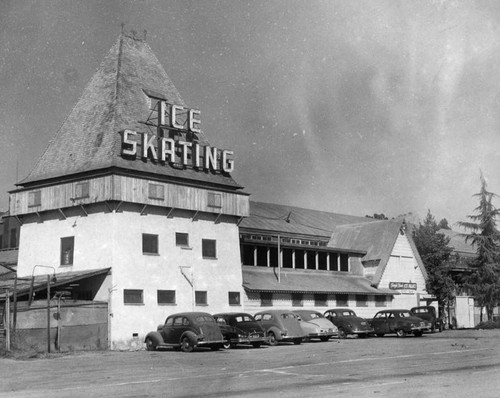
[{"x": 402, "y": 286}]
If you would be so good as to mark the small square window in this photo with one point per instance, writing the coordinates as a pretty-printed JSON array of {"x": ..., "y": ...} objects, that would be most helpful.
[
  {"x": 132, "y": 296},
  {"x": 266, "y": 299},
  {"x": 200, "y": 297},
  {"x": 342, "y": 300},
  {"x": 234, "y": 298},
  {"x": 34, "y": 198},
  {"x": 156, "y": 191},
  {"x": 379, "y": 301},
  {"x": 297, "y": 300},
  {"x": 320, "y": 300},
  {"x": 166, "y": 296},
  {"x": 149, "y": 244},
  {"x": 214, "y": 200},
  {"x": 209, "y": 249},
  {"x": 361, "y": 300},
  {"x": 181, "y": 239},
  {"x": 67, "y": 249},
  {"x": 82, "y": 190}
]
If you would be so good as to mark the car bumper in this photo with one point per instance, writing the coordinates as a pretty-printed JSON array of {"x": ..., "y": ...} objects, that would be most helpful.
[
  {"x": 209, "y": 342},
  {"x": 249, "y": 340}
]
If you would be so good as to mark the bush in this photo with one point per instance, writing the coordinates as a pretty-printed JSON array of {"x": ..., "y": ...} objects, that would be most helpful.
[{"x": 489, "y": 325}]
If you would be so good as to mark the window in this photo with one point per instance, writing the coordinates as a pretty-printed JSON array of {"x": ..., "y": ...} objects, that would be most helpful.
[
  {"x": 181, "y": 239},
  {"x": 34, "y": 198},
  {"x": 166, "y": 296},
  {"x": 361, "y": 300},
  {"x": 297, "y": 300},
  {"x": 208, "y": 248},
  {"x": 234, "y": 298},
  {"x": 342, "y": 300},
  {"x": 67, "y": 249},
  {"x": 82, "y": 190},
  {"x": 200, "y": 297},
  {"x": 266, "y": 299},
  {"x": 132, "y": 296},
  {"x": 320, "y": 300},
  {"x": 149, "y": 244},
  {"x": 214, "y": 200},
  {"x": 344, "y": 262},
  {"x": 379, "y": 301},
  {"x": 156, "y": 191}
]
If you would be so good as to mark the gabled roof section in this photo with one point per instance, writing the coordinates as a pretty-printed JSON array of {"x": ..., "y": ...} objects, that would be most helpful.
[
  {"x": 267, "y": 217},
  {"x": 114, "y": 100}
]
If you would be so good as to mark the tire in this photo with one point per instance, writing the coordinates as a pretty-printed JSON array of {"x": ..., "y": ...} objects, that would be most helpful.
[
  {"x": 297, "y": 341},
  {"x": 227, "y": 345},
  {"x": 362, "y": 335},
  {"x": 418, "y": 333},
  {"x": 272, "y": 339},
  {"x": 150, "y": 345},
  {"x": 186, "y": 345},
  {"x": 324, "y": 338},
  {"x": 380, "y": 334},
  {"x": 216, "y": 347},
  {"x": 342, "y": 333},
  {"x": 400, "y": 333},
  {"x": 256, "y": 345}
]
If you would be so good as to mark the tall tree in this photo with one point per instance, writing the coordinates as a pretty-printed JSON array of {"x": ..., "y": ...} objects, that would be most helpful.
[
  {"x": 435, "y": 253},
  {"x": 484, "y": 280}
]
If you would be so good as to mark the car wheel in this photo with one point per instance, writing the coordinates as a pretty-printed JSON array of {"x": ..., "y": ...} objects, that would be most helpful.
[
  {"x": 272, "y": 339},
  {"x": 324, "y": 338},
  {"x": 297, "y": 341},
  {"x": 215, "y": 347},
  {"x": 400, "y": 333},
  {"x": 362, "y": 335},
  {"x": 150, "y": 345},
  {"x": 256, "y": 345},
  {"x": 342, "y": 333},
  {"x": 418, "y": 333},
  {"x": 186, "y": 345},
  {"x": 227, "y": 345},
  {"x": 380, "y": 334}
]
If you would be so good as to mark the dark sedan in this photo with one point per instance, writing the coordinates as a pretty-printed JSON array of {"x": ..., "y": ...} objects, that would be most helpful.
[
  {"x": 240, "y": 328},
  {"x": 400, "y": 322},
  {"x": 348, "y": 323}
]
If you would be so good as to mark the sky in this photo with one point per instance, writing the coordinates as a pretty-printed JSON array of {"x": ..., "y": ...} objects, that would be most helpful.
[{"x": 353, "y": 107}]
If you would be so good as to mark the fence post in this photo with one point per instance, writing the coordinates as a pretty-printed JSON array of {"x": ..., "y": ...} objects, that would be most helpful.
[{"x": 7, "y": 320}]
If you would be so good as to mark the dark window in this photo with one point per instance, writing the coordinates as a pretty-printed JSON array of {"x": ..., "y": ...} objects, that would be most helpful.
[
  {"x": 181, "y": 239},
  {"x": 311, "y": 259},
  {"x": 320, "y": 300},
  {"x": 287, "y": 258},
  {"x": 273, "y": 257},
  {"x": 82, "y": 190},
  {"x": 379, "y": 301},
  {"x": 13, "y": 238},
  {"x": 344, "y": 262},
  {"x": 149, "y": 244},
  {"x": 166, "y": 296},
  {"x": 234, "y": 298},
  {"x": 342, "y": 300},
  {"x": 200, "y": 297},
  {"x": 266, "y": 299},
  {"x": 67, "y": 249},
  {"x": 297, "y": 299},
  {"x": 156, "y": 191},
  {"x": 132, "y": 296},
  {"x": 262, "y": 256},
  {"x": 334, "y": 265},
  {"x": 34, "y": 198},
  {"x": 208, "y": 248},
  {"x": 299, "y": 259},
  {"x": 247, "y": 255},
  {"x": 1, "y": 241},
  {"x": 361, "y": 300},
  {"x": 322, "y": 263},
  {"x": 214, "y": 200}
]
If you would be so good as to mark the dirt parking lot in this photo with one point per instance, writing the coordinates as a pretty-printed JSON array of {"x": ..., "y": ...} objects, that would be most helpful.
[{"x": 454, "y": 363}]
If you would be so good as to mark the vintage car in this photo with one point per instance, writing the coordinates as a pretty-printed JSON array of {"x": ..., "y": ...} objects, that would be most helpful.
[
  {"x": 348, "y": 323},
  {"x": 428, "y": 313},
  {"x": 280, "y": 325},
  {"x": 315, "y": 325},
  {"x": 401, "y": 322},
  {"x": 240, "y": 328},
  {"x": 186, "y": 330}
]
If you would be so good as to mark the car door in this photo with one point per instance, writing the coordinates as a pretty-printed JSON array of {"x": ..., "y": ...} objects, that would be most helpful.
[{"x": 379, "y": 323}]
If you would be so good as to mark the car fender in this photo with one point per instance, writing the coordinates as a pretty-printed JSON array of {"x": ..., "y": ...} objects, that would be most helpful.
[
  {"x": 191, "y": 336},
  {"x": 156, "y": 337},
  {"x": 276, "y": 331}
]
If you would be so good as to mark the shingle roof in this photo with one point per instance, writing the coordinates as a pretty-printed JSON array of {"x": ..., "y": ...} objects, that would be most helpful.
[
  {"x": 295, "y": 220},
  {"x": 458, "y": 243},
  {"x": 264, "y": 279},
  {"x": 115, "y": 100}
]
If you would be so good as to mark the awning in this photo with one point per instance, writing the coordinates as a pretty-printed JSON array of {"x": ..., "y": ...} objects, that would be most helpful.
[
  {"x": 40, "y": 281},
  {"x": 264, "y": 279}
]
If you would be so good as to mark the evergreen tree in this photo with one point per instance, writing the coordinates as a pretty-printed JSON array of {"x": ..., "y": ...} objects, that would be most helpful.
[
  {"x": 435, "y": 253},
  {"x": 484, "y": 281}
]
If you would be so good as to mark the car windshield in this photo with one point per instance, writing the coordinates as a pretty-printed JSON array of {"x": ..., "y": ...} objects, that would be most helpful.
[
  {"x": 421, "y": 310},
  {"x": 287, "y": 316},
  {"x": 243, "y": 318},
  {"x": 204, "y": 319},
  {"x": 307, "y": 316},
  {"x": 348, "y": 313},
  {"x": 404, "y": 314}
]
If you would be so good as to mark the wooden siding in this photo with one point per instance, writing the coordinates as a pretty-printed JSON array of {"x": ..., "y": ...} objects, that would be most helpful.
[{"x": 129, "y": 189}]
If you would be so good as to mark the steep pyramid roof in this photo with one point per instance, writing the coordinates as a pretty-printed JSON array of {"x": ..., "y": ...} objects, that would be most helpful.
[{"x": 114, "y": 100}]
